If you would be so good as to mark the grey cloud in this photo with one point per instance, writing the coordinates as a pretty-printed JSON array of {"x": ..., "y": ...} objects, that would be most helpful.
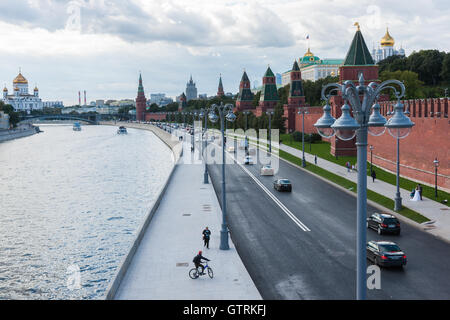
[{"x": 127, "y": 20}]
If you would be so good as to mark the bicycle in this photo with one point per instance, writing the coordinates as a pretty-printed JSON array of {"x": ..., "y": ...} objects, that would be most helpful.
[{"x": 194, "y": 273}]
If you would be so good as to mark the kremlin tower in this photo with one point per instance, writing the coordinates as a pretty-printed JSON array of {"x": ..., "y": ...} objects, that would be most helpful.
[
  {"x": 220, "y": 92},
  {"x": 269, "y": 94},
  {"x": 182, "y": 102},
  {"x": 141, "y": 101},
  {"x": 244, "y": 99},
  {"x": 358, "y": 60},
  {"x": 296, "y": 97}
]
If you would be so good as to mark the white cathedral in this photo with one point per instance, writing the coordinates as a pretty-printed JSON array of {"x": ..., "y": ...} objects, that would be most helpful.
[
  {"x": 386, "y": 49},
  {"x": 21, "y": 100}
]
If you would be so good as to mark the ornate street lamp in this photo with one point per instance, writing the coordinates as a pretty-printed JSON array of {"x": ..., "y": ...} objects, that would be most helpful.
[
  {"x": 371, "y": 150},
  {"x": 346, "y": 127},
  {"x": 225, "y": 113},
  {"x": 436, "y": 165},
  {"x": 303, "y": 111},
  {"x": 270, "y": 114},
  {"x": 203, "y": 115},
  {"x": 246, "y": 113},
  {"x": 399, "y": 127}
]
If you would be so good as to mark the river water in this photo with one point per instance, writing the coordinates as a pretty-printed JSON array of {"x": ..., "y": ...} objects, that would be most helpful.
[{"x": 70, "y": 205}]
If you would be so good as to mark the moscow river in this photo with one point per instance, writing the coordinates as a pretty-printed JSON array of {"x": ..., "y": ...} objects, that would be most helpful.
[{"x": 73, "y": 201}]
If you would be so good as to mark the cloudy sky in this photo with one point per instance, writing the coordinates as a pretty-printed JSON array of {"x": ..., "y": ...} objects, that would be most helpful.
[{"x": 101, "y": 45}]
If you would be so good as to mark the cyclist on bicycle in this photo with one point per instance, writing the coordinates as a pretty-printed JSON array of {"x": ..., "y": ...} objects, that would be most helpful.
[{"x": 197, "y": 261}]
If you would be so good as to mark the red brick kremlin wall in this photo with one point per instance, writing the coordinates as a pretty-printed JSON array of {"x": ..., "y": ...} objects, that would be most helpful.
[{"x": 429, "y": 138}]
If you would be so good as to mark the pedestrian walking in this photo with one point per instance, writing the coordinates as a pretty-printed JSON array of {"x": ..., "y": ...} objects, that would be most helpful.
[
  {"x": 315, "y": 159},
  {"x": 206, "y": 236},
  {"x": 348, "y": 166},
  {"x": 420, "y": 191},
  {"x": 373, "y": 175}
]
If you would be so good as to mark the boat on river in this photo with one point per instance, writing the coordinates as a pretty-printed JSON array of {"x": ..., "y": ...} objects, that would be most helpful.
[
  {"x": 122, "y": 130},
  {"x": 76, "y": 126}
]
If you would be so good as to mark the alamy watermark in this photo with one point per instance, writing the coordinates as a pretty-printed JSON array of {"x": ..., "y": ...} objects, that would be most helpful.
[{"x": 73, "y": 281}]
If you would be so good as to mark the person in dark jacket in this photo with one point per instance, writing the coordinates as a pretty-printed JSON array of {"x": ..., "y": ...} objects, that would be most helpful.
[
  {"x": 420, "y": 191},
  {"x": 198, "y": 261},
  {"x": 374, "y": 175},
  {"x": 206, "y": 236}
]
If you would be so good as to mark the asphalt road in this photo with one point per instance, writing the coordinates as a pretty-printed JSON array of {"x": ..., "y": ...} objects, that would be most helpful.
[{"x": 286, "y": 262}]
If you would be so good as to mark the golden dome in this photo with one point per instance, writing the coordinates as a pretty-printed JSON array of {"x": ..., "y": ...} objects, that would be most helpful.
[
  {"x": 16, "y": 88},
  {"x": 309, "y": 54},
  {"x": 387, "y": 40},
  {"x": 5, "y": 89},
  {"x": 20, "y": 79},
  {"x": 36, "y": 88}
]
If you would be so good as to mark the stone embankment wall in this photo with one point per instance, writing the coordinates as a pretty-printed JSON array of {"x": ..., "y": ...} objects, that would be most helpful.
[
  {"x": 176, "y": 147},
  {"x": 19, "y": 132}
]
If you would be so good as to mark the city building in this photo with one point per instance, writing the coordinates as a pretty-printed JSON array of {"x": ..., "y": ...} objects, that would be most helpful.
[
  {"x": 203, "y": 96},
  {"x": 278, "y": 78},
  {"x": 123, "y": 103},
  {"x": 4, "y": 121},
  {"x": 191, "y": 90},
  {"x": 386, "y": 48},
  {"x": 53, "y": 104},
  {"x": 313, "y": 68},
  {"x": 160, "y": 99},
  {"x": 21, "y": 100}
]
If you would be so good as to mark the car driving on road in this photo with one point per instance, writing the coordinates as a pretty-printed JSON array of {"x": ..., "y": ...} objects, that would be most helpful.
[
  {"x": 267, "y": 170},
  {"x": 385, "y": 254},
  {"x": 282, "y": 185},
  {"x": 384, "y": 223},
  {"x": 248, "y": 160}
]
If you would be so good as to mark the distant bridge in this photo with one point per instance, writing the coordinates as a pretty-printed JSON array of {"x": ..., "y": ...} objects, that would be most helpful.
[{"x": 92, "y": 119}]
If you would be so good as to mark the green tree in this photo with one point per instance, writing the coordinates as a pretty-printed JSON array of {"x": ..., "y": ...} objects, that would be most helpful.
[
  {"x": 9, "y": 110},
  {"x": 445, "y": 71},
  {"x": 427, "y": 64},
  {"x": 410, "y": 79}
]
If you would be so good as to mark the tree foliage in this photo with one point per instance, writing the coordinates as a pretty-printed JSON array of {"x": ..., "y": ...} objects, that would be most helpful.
[
  {"x": 431, "y": 66},
  {"x": 9, "y": 110}
]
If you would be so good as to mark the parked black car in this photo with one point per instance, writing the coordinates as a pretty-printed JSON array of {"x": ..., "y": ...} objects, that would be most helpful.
[
  {"x": 385, "y": 254},
  {"x": 384, "y": 223},
  {"x": 282, "y": 185}
]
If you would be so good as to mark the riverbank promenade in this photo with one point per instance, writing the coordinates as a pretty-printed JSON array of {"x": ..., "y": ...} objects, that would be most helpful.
[{"x": 160, "y": 266}]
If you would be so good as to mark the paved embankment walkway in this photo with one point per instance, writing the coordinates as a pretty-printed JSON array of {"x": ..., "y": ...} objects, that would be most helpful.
[
  {"x": 433, "y": 210},
  {"x": 160, "y": 266}
]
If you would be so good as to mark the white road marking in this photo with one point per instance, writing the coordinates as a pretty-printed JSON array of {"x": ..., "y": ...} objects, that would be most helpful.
[{"x": 300, "y": 224}]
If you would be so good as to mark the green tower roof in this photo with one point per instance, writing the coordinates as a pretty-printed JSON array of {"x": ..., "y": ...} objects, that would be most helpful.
[
  {"x": 358, "y": 54},
  {"x": 245, "y": 77},
  {"x": 269, "y": 73}
]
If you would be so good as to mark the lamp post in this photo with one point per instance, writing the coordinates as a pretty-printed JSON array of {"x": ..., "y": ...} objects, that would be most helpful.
[
  {"x": 303, "y": 111},
  {"x": 436, "y": 165},
  {"x": 193, "y": 114},
  {"x": 371, "y": 149},
  {"x": 270, "y": 114},
  {"x": 225, "y": 113},
  {"x": 203, "y": 114},
  {"x": 246, "y": 113},
  {"x": 346, "y": 127}
]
